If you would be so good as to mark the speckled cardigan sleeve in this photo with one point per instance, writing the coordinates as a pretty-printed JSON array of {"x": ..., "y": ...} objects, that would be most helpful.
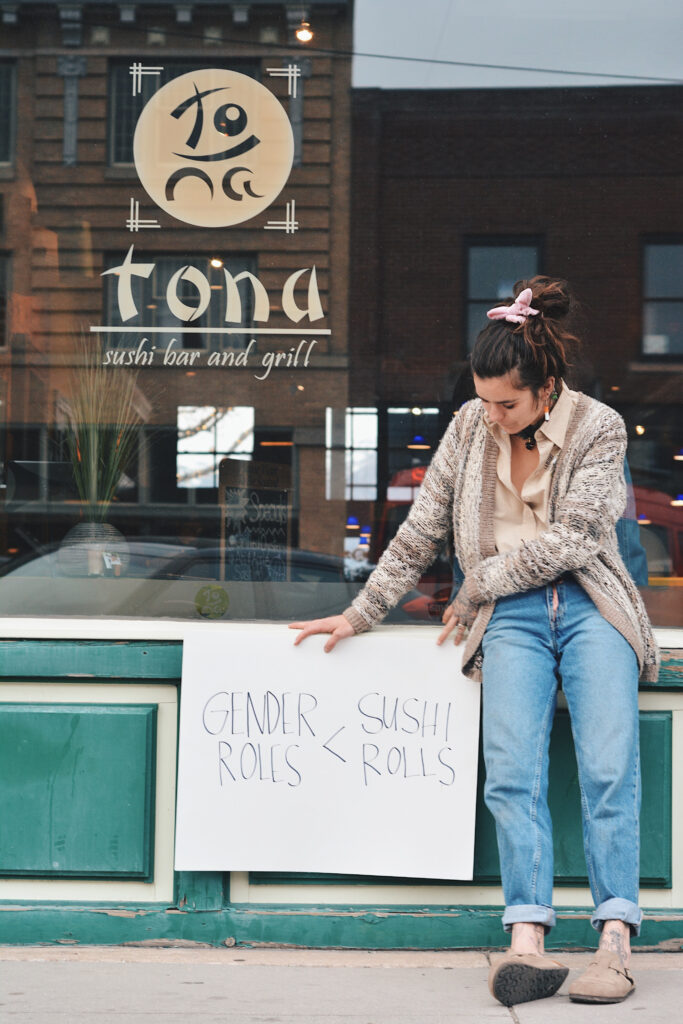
[{"x": 417, "y": 542}]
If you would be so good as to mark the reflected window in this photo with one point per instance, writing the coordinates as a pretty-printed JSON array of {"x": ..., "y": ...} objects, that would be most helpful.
[
  {"x": 187, "y": 285},
  {"x": 4, "y": 298},
  {"x": 6, "y": 111},
  {"x": 413, "y": 436},
  {"x": 125, "y": 108},
  {"x": 206, "y": 435},
  {"x": 663, "y": 299},
  {"x": 353, "y": 436},
  {"x": 492, "y": 270}
]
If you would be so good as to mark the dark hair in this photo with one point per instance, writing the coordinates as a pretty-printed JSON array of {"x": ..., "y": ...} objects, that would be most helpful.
[{"x": 536, "y": 348}]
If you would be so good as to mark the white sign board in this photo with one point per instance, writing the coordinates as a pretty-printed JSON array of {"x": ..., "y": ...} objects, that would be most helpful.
[{"x": 362, "y": 761}]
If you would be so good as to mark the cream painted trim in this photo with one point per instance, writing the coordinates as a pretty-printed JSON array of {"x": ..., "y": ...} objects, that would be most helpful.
[
  {"x": 451, "y": 895},
  {"x": 240, "y": 890},
  {"x": 70, "y": 627},
  {"x": 98, "y": 890}
]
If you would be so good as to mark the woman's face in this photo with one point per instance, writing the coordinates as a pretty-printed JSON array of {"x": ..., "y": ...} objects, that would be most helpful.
[{"x": 508, "y": 404}]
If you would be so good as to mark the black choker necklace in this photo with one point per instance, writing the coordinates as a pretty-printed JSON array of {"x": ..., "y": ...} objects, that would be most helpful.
[{"x": 527, "y": 435}]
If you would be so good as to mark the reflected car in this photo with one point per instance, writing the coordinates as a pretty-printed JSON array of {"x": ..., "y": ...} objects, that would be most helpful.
[
  {"x": 263, "y": 583},
  {"x": 156, "y": 579}
]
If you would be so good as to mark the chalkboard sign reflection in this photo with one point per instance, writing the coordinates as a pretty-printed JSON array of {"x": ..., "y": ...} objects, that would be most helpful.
[{"x": 255, "y": 521}]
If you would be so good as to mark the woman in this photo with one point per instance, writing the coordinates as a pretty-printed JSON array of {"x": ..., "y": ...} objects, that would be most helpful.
[{"x": 529, "y": 476}]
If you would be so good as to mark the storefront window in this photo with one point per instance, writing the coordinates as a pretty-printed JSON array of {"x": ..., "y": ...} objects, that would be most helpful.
[{"x": 238, "y": 293}]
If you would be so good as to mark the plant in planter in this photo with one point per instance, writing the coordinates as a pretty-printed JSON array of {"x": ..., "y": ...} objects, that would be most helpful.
[{"x": 101, "y": 435}]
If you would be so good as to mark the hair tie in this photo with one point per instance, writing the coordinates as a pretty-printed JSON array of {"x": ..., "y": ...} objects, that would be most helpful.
[{"x": 518, "y": 311}]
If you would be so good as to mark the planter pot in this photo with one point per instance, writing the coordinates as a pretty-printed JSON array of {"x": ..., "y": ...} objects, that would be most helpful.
[{"x": 94, "y": 549}]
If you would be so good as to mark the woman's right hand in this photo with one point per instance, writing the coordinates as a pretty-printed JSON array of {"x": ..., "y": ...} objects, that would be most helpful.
[{"x": 337, "y": 625}]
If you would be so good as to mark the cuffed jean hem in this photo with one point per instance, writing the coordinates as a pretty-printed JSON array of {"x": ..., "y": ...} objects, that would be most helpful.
[
  {"x": 618, "y": 909},
  {"x": 531, "y": 913}
]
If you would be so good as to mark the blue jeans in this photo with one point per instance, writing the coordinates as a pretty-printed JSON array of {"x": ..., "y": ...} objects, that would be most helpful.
[{"x": 533, "y": 640}]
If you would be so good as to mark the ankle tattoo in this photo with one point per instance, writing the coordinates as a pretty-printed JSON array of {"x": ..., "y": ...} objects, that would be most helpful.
[{"x": 614, "y": 938}]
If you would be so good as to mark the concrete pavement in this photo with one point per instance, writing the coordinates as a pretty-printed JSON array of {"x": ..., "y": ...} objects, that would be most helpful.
[{"x": 134, "y": 985}]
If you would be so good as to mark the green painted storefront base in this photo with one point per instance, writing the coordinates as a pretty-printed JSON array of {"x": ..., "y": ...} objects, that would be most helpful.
[{"x": 305, "y": 926}]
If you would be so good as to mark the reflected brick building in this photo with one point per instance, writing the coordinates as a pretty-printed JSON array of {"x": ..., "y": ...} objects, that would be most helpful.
[
  {"x": 72, "y": 205},
  {"x": 458, "y": 193}
]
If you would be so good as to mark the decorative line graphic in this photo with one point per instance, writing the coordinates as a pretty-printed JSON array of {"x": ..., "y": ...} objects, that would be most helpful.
[
  {"x": 292, "y": 73},
  {"x": 213, "y": 147},
  {"x": 289, "y": 225},
  {"x": 134, "y": 223},
  {"x": 181, "y": 328},
  {"x": 137, "y": 70}
]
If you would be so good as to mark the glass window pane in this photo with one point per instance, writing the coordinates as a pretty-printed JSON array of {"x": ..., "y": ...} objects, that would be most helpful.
[
  {"x": 664, "y": 271},
  {"x": 299, "y": 448},
  {"x": 196, "y": 471},
  {"x": 6, "y": 110},
  {"x": 493, "y": 269},
  {"x": 364, "y": 467},
  {"x": 663, "y": 328},
  {"x": 234, "y": 429}
]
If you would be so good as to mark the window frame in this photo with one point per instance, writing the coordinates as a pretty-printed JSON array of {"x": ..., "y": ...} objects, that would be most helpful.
[
  {"x": 11, "y": 106},
  {"x": 676, "y": 239},
  {"x": 493, "y": 242}
]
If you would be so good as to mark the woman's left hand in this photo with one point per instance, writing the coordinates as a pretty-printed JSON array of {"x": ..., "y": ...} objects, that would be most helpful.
[{"x": 459, "y": 616}]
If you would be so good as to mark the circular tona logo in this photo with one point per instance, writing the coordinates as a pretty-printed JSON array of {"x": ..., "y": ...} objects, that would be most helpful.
[
  {"x": 211, "y": 601},
  {"x": 213, "y": 148}
]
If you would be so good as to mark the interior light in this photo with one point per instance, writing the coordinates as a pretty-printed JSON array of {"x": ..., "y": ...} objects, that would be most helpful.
[
  {"x": 416, "y": 410},
  {"x": 419, "y": 444},
  {"x": 276, "y": 444},
  {"x": 640, "y": 430},
  {"x": 216, "y": 262},
  {"x": 303, "y": 33},
  {"x": 615, "y": 387},
  {"x": 677, "y": 502},
  {"x": 644, "y": 521},
  {"x": 679, "y": 456}
]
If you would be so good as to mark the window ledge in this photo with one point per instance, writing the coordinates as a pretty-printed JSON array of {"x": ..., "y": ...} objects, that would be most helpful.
[{"x": 74, "y": 627}]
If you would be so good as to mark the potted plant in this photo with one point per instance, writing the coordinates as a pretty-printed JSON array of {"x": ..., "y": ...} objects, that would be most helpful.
[{"x": 102, "y": 421}]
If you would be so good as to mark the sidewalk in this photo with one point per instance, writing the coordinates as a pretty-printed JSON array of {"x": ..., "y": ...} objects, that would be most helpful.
[{"x": 133, "y": 985}]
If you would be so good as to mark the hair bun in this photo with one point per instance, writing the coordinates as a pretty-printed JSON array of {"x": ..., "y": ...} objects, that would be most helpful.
[{"x": 551, "y": 295}]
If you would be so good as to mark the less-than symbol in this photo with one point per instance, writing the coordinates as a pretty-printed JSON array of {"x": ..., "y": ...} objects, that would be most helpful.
[{"x": 325, "y": 746}]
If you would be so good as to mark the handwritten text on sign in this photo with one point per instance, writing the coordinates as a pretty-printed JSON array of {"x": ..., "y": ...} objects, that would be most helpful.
[{"x": 361, "y": 761}]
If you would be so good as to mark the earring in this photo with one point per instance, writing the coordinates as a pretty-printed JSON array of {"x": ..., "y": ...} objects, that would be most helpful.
[{"x": 553, "y": 399}]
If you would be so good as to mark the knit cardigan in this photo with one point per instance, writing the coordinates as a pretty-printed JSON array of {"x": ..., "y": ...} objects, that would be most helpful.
[{"x": 587, "y": 496}]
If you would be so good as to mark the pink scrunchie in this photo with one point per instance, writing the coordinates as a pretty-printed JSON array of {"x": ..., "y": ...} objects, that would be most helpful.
[{"x": 517, "y": 312}]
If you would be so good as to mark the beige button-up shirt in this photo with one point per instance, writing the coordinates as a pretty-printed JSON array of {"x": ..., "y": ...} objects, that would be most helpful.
[{"x": 521, "y": 517}]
